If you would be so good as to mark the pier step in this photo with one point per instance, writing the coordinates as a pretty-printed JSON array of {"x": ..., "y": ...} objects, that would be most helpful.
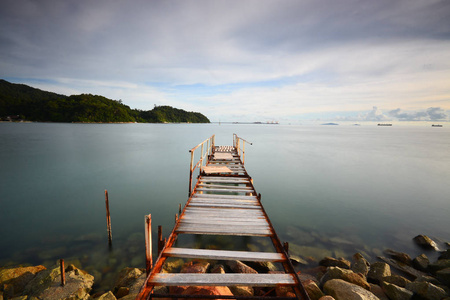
[
  {"x": 223, "y": 254},
  {"x": 190, "y": 279}
]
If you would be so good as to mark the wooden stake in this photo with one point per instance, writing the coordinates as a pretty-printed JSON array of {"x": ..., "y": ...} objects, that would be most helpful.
[
  {"x": 176, "y": 218},
  {"x": 179, "y": 209},
  {"x": 63, "y": 272},
  {"x": 160, "y": 244},
  {"x": 148, "y": 244},
  {"x": 108, "y": 219}
]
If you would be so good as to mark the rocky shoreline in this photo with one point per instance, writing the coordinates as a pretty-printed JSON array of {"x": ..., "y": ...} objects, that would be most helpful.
[{"x": 395, "y": 276}]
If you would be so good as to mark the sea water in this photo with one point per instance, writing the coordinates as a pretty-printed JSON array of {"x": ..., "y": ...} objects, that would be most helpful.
[{"x": 332, "y": 190}]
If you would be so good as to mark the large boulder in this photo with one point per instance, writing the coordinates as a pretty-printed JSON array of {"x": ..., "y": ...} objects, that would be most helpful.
[
  {"x": 312, "y": 289},
  {"x": 360, "y": 264},
  {"x": 15, "y": 279},
  {"x": 195, "y": 267},
  {"x": 344, "y": 274},
  {"x": 399, "y": 256},
  {"x": 239, "y": 267},
  {"x": 395, "y": 292},
  {"x": 378, "y": 270},
  {"x": 426, "y": 290},
  {"x": 425, "y": 242},
  {"x": 47, "y": 284},
  {"x": 439, "y": 265},
  {"x": 207, "y": 290},
  {"x": 397, "y": 280},
  {"x": 342, "y": 290},
  {"x": 421, "y": 262},
  {"x": 333, "y": 262},
  {"x": 444, "y": 276}
]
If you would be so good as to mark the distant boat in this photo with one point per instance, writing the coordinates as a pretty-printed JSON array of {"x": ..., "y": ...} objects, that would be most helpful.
[
  {"x": 384, "y": 124},
  {"x": 436, "y": 125}
]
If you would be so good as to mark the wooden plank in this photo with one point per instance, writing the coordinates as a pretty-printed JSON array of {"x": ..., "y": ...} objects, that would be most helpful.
[
  {"x": 209, "y": 229},
  {"x": 223, "y": 254},
  {"x": 214, "y": 222},
  {"x": 246, "y": 206},
  {"x": 241, "y": 197},
  {"x": 224, "y": 212},
  {"x": 233, "y": 186},
  {"x": 214, "y": 169},
  {"x": 223, "y": 156},
  {"x": 223, "y": 190},
  {"x": 220, "y": 179},
  {"x": 193, "y": 279}
]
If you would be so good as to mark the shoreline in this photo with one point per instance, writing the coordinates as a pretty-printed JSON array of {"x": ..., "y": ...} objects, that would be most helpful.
[{"x": 399, "y": 274}]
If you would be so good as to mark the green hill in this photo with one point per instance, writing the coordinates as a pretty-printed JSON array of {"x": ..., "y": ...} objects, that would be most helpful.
[{"x": 32, "y": 104}]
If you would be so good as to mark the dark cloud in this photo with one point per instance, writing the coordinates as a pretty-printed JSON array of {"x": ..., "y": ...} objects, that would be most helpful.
[{"x": 431, "y": 114}]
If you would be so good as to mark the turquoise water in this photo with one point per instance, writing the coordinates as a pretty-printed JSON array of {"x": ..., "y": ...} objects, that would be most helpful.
[{"x": 339, "y": 188}]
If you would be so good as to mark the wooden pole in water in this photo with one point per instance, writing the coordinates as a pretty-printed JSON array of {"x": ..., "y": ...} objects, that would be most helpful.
[
  {"x": 63, "y": 272},
  {"x": 160, "y": 242},
  {"x": 148, "y": 244},
  {"x": 108, "y": 219}
]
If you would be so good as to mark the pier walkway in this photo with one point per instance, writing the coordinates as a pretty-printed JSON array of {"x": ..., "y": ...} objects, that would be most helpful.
[{"x": 223, "y": 202}]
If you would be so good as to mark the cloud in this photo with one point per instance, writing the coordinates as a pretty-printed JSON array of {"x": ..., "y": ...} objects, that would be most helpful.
[
  {"x": 430, "y": 114},
  {"x": 262, "y": 59}
]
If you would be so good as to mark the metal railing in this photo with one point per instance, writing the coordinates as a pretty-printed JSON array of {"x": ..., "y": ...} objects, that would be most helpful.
[
  {"x": 205, "y": 153},
  {"x": 237, "y": 144}
]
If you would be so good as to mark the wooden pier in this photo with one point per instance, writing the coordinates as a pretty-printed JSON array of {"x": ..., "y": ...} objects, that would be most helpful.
[{"x": 223, "y": 202}]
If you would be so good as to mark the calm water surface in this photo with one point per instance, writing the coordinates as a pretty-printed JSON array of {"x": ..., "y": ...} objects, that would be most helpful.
[{"x": 341, "y": 189}]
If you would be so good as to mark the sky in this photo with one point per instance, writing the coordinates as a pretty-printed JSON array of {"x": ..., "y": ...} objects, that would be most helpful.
[{"x": 291, "y": 61}]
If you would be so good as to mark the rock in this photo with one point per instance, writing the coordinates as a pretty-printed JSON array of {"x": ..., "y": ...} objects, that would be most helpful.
[
  {"x": 395, "y": 292},
  {"x": 342, "y": 290},
  {"x": 107, "y": 296},
  {"x": 425, "y": 242},
  {"x": 207, "y": 290},
  {"x": 444, "y": 276},
  {"x": 397, "y": 280},
  {"x": 445, "y": 254},
  {"x": 327, "y": 298},
  {"x": 47, "y": 285},
  {"x": 344, "y": 274},
  {"x": 304, "y": 276},
  {"x": 283, "y": 291},
  {"x": 332, "y": 262},
  {"x": 426, "y": 290},
  {"x": 173, "y": 266},
  {"x": 360, "y": 264},
  {"x": 262, "y": 266},
  {"x": 297, "y": 260},
  {"x": 139, "y": 282},
  {"x": 378, "y": 270},
  {"x": 421, "y": 262},
  {"x": 402, "y": 267},
  {"x": 399, "y": 256},
  {"x": 126, "y": 278},
  {"x": 378, "y": 291},
  {"x": 312, "y": 289},
  {"x": 220, "y": 269},
  {"x": 122, "y": 292},
  {"x": 239, "y": 267},
  {"x": 242, "y": 290},
  {"x": 17, "y": 278},
  {"x": 439, "y": 265},
  {"x": 195, "y": 267}
]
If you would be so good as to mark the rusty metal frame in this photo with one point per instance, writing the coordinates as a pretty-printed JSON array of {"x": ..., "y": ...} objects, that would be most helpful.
[
  {"x": 236, "y": 143},
  {"x": 204, "y": 157}
]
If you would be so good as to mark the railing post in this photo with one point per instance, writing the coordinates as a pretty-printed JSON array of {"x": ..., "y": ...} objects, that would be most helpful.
[
  {"x": 191, "y": 170},
  {"x": 201, "y": 159},
  {"x": 148, "y": 244},
  {"x": 243, "y": 152}
]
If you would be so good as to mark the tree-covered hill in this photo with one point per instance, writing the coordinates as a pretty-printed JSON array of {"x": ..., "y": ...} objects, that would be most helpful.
[{"x": 32, "y": 104}]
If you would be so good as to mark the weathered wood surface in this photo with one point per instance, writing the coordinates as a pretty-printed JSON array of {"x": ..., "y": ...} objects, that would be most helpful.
[
  {"x": 223, "y": 254},
  {"x": 174, "y": 279}
]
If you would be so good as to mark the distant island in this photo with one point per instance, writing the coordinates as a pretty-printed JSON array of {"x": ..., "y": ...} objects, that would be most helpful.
[
  {"x": 19, "y": 102},
  {"x": 330, "y": 124}
]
